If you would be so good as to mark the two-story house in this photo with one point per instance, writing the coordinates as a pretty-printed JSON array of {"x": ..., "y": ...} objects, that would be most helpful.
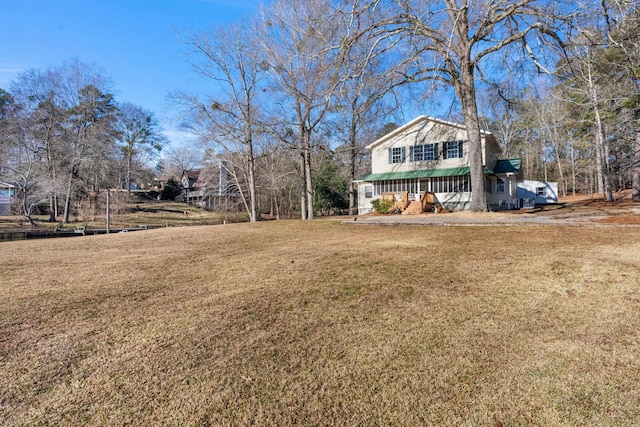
[{"x": 432, "y": 155}]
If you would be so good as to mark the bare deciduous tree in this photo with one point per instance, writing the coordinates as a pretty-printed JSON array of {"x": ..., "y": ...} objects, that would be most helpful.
[
  {"x": 452, "y": 40},
  {"x": 303, "y": 48},
  {"x": 230, "y": 119},
  {"x": 623, "y": 24},
  {"x": 89, "y": 113},
  {"x": 359, "y": 100}
]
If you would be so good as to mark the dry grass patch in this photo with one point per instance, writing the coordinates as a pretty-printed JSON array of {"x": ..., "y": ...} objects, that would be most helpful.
[{"x": 317, "y": 323}]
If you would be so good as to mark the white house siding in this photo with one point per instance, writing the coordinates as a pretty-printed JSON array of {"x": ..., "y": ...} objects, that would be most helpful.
[
  {"x": 427, "y": 131},
  {"x": 423, "y": 133},
  {"x": 543, "y": 192},
  {"x": 505, "y": 199},
  {"x": 364, "y": 202}
]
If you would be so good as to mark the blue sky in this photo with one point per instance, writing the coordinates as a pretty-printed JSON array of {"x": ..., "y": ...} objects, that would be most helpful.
[{"x": 133, "y": 41}]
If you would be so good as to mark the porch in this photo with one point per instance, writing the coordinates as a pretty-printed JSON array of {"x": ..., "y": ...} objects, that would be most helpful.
[{"x": 408, "y": 203}]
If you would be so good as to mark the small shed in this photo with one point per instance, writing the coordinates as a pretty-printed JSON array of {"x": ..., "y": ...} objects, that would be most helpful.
[{"x": 541, "y": 191}]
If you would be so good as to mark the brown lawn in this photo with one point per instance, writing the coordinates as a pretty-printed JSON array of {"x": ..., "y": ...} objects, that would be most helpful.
[{"x": 318, "y": 323}]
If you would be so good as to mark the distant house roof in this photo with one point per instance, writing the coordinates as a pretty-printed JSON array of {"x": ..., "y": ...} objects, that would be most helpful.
[
  {"x": 193, "y": 175},
  {"x": 5, "y": 185}
]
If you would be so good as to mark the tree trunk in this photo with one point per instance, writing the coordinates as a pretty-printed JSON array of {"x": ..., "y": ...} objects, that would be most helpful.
[
  {"x": 543, "y": 155},
  {"x": 242, "y": 196},
  {"x": 635, "y": 168},
  {"x": 26, "y": 210},
  {"x": 556, "y": 146},
  {"x": 353, "y": 208},
  {"x": 52, "y": 211},
  {"x": 252, "y": 183},
  {"x": 604, "y": 185},
  {"x": 467, "y": 94},
  {"x": 303, "y": 186},
  {"x": 67, "y": 200},
  {"x": 275, "y": 204},
  {"x": 573, "y": 169},
  {"x": 602, "y": 174},
  {"x": 309, "y": 183},
  {"x": 128, "y": 183},
  {"x": 306, "y": 200},
  {"x": 53, "y": 199}
]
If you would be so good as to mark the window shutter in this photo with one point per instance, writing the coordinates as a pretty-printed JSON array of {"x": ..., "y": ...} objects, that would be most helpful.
[
  {"x": 390, "y": 155},
  {"x": 445, "y": 147},
  {"x": 460, "y": 149},
  {"x": 404, "y": 154},
  {"x": 436, "y": 155},
  {"x": 412, "y": 157}
]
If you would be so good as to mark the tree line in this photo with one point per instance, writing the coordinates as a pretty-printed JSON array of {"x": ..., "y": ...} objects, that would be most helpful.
[
  {"x": 300, "y": 88},
  {"x": 64, "y": 137}
]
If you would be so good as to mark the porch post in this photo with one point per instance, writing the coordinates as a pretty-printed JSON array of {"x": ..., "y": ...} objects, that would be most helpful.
[{"x": 509, "y": 179}]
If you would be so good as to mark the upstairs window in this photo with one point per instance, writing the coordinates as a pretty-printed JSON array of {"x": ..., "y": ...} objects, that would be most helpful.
[
  {"x": 452, "y": 150},
  {"x": 499, "y": 185},
  {"x": 540, "y": 191},
  {"x": 422, "y": 152},
  {"x": 397, "y": 155}
]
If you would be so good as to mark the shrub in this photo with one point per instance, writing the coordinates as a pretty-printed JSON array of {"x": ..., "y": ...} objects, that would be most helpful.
[
  {"x": 171, "y": 189},
  {"x": 382, "y": 206}
]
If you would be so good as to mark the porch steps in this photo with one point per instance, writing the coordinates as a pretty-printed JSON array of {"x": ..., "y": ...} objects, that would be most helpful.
[{"x": 414, "y": 208}]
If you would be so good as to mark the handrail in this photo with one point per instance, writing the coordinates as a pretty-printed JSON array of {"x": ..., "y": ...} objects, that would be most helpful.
[
  {"x": 399, "y": 203},
  {"x": 402, "y": 205},
  {"x": 427, "y": 198}
]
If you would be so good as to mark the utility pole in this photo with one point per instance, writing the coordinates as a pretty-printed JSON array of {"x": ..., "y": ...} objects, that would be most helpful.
[{"x": 108, "y": 211}]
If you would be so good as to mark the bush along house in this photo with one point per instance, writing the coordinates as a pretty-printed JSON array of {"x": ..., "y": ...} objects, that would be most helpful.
[{"x": 423, "y": 166}]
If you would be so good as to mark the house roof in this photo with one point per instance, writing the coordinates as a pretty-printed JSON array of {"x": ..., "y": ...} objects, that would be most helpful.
[
  {"x": 501, "y": 167},
  {"x": 192, "y": 174},
  {"x": 507, "y": 166},
  {"x": 5, "y": 185},
  {"x": 414, "y": 122}
]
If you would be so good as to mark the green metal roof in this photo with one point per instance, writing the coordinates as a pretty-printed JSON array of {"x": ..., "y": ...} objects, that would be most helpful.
[
  {"x": 502, "y": 166},
  {"x": 507, "y": 166},
  {"x": 422, "y": 173}
]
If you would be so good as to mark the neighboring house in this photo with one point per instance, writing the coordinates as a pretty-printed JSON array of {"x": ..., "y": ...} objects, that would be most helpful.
[
  {"x": 7, "y": 192},
  {"x": 210, "y": 188},
  {"x": 429, "y": 156},
  {"x": 189, "y": 178},
  {"x": 193, "y": 186}
]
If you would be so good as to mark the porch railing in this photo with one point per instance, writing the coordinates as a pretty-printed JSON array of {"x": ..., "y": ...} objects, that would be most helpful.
[
  {"x": 427, "y": 201},
  {"x": 400, "y": 199}
]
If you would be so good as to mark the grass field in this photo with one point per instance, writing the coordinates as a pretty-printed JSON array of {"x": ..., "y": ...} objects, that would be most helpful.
[{"x": 320, "y": 323}]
